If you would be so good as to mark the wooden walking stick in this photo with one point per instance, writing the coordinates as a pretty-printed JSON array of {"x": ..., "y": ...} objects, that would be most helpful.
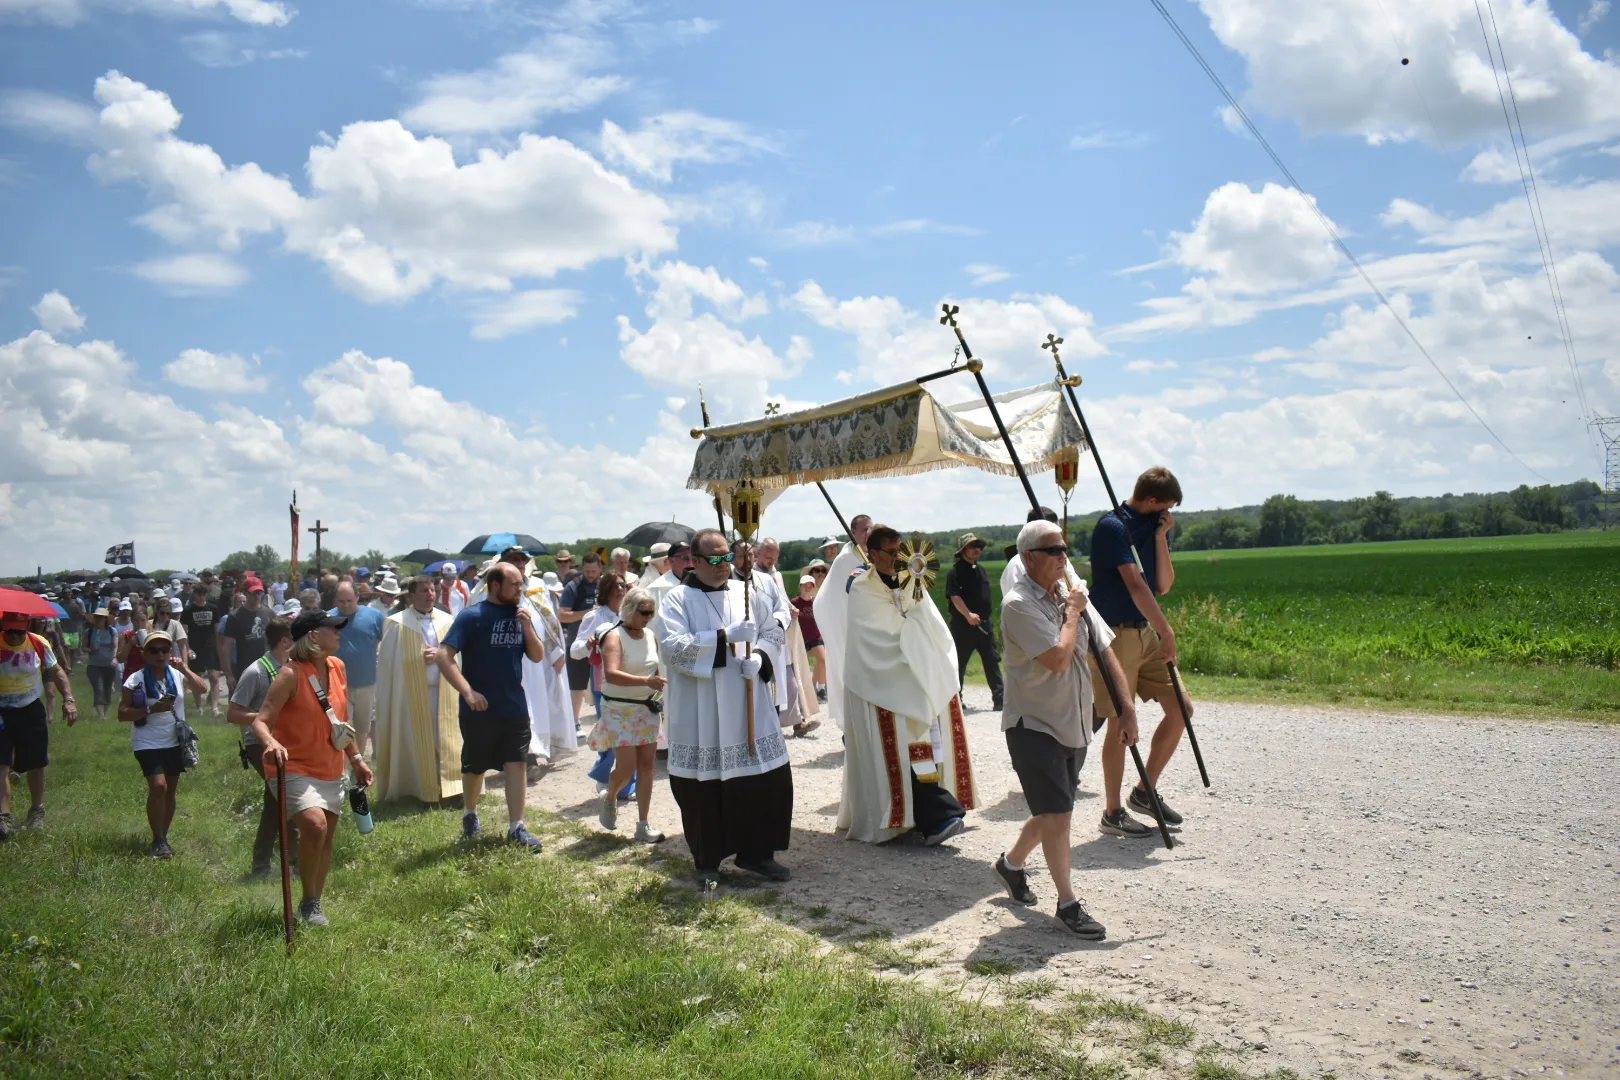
[
  {"x": 975, "y": 366},
  {"x": 1052, "y": 342},
  {"x": 286, "y": 867}
]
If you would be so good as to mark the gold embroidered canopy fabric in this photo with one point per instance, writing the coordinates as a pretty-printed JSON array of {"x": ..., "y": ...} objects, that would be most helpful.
[{"x": 896, "y": 431}]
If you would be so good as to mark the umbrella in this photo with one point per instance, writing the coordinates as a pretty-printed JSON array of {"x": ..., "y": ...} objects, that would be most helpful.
[
  {"x": 61, "y": 612},
  {"x": 424, "y": 556},
  {"x": 128, "y": 572},
  {"x": 181, "y": 575},
  {"x": 19, "y": 601},
  {"x": 495, "y": 543},
  {"x": 660, "y": 532},
  {"x": 438, "y": 567},
  {"x": 79, "y": 575},
  {"x": 33, "y": 585}
]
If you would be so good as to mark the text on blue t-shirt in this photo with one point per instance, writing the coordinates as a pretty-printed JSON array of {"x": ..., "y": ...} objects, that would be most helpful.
[
  {"x": 1111, "y": 544},
  {"x": 489, "y": 639},
  {"x": 358, "y": 643}
]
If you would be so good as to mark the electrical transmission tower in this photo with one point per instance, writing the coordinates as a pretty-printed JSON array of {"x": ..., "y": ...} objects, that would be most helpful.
[{"x": 1608, "y": 429}]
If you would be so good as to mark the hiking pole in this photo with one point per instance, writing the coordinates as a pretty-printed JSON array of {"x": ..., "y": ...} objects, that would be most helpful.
[
  {"x": 286, "y": 867},
  {"x": 976, "y": 367},
  {"x": 1052, "y": 342}
]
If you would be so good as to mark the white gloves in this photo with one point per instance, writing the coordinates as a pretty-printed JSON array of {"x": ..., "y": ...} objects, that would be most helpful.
[
  {"x": 740, "y": 633},
  {"x": 749, "y": 666}
]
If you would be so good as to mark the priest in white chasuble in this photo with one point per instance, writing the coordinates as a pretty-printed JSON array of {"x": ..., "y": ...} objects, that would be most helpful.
[
  {"x": 832, "y": 610},
  {"x": 735, "y": 792},
  {"x": 418, "y": 737},
  {"x": 906, "y": 760}
]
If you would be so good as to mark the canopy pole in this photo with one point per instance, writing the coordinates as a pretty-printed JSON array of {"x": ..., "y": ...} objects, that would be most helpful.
[
  {"x": 977, "y": 367},
  {"x": 1052, "y": 342},
  {"x": 842, "y": 524}
]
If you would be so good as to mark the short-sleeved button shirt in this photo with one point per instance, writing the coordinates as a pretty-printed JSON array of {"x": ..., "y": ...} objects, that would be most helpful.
[{"x": 1058, "y": 704}]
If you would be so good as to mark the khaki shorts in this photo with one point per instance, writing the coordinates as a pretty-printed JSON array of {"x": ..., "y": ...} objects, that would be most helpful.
[
  {"x": 1147, "y": 677},
  {"x": 308, "y": 793}
]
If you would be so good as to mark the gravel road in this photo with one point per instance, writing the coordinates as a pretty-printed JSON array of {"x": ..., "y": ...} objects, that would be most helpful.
[{"x": 1365, "y": 894}]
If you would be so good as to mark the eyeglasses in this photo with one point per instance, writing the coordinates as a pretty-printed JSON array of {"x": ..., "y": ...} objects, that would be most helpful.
[
  {"x": 1057, "y": 549},
  {"x": 720, "y": 560},
  {"x": 894, "y": 554}
]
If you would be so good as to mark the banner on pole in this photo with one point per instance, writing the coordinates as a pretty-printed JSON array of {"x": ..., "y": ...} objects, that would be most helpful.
[{"x": 121, "y": 554}]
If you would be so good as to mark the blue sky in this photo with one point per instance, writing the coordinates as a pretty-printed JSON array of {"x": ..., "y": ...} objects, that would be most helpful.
[{"x": 454, "y": 267}]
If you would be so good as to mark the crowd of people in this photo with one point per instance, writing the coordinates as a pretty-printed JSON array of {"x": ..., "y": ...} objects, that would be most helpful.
[{"x": 701, "y": 651}]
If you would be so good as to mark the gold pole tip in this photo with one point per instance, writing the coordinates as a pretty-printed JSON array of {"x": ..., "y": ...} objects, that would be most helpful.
[
  {"x": 697, "y": 433},
  {"x": 975, "y": 365},
  {"x": 1072, "y": 380}
]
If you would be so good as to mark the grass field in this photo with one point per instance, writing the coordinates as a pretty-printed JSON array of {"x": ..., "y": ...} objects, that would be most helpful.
[
  {"x": 1519, "y": 626},
  {"x": 450, "y": 960}
]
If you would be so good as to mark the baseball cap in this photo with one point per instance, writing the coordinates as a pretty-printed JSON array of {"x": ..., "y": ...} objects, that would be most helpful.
[
  {"x": 125, "y": 605},
  {"x": 176, "y": 606},
  {"x": 14, "y": 620},
  {"x": 255, "y": 585},
  {"x": 517, "y": 550},
  {"x": 362, "y": 572},
  {"x": 314, "y": 620},
  {"x": 679, "y": 547}
]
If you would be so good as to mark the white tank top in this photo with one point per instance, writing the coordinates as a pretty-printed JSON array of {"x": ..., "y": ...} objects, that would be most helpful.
[{"x": 637, "y": 658}]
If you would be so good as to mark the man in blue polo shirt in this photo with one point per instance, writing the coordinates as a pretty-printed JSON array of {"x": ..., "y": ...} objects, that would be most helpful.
[
  {"x": 1127, "y": 599},
  {"x": 357, "y": 648}
]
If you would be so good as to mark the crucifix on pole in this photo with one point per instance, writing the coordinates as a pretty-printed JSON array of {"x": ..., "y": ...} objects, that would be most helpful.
[{"x": 318, "y": 529}]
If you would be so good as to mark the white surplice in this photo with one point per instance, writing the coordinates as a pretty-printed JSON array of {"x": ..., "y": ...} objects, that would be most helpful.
[
  {"x": 901, "y": 711},
  {"x": 832, "y": 615},
  {"x": 772, "y": 617},
  {"x": 705, "y": 705},
  {"x": 803, "y": 706}
]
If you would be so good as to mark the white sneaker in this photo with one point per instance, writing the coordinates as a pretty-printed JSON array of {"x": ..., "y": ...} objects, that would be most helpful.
[
  {"x": 646, "y": 834},
  {"x": 608, "y": 811}
]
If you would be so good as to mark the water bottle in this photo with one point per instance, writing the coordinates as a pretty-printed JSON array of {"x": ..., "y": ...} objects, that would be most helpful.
[
  {"x": 361, "y": 807},
  {"x": 137, "y": 698}
]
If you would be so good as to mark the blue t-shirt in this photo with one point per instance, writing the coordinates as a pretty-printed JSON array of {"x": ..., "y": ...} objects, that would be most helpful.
[
  {"x": 489, "y": 639},
  {"x": 358, "y": 645},
  {"x": 1111, "y": 549}
]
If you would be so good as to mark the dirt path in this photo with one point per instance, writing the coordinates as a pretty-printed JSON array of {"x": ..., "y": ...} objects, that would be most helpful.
[{"x": 1360, "y": 894}]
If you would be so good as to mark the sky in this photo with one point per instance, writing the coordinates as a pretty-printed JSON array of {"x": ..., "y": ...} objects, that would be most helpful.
[{"x": 448, "y": 267}]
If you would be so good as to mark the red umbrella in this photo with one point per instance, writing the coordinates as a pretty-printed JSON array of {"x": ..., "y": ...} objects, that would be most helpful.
[{"x": 16, "y": 600}]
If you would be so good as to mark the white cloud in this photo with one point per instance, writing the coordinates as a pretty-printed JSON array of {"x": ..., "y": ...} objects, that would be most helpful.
[
  {"x": 199, "y": 272},
  {"x": 671, "y": 137},
  {"x": 683, "y": 347},
  {"x": 57, "y": 314},
  {"x": 557, "y": 74},
  {"x": 825, "y": 234},
  {"x": 219, "y": 49},
  {"x": 1147, "y": 367},
  {"x": 1105, "y": 139},
  {"x": 892, "y": 342},
  {"x": 1336, "y": 67},
  {"x": 985, "y": 273},
  {"x": 48, "y": 115},
  {"x": 70, "y": 12},
  {"x": 389, "y": 214},
  {"x": 1256, "y": 241},
  {"x": 524, "y": 311},
  {"x": 1596, "y": 12},
  {"x": 218, "y": 373}
]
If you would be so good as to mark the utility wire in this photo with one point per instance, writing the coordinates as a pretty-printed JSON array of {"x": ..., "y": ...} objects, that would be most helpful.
[
  {"x": 1333, "y": 232},
  {"x": 1538, "y": 217}
]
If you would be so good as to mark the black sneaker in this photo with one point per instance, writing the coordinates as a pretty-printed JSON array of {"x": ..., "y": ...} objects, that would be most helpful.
[
  {"x": 767, "y": 868},
  {"x": 161, "y": 849},
  {"x": 1074, "y": 917},
  {"x": 1119, "y": 823},
  {"x": 1015, "y": 881},
  {"x": 470, "y": 829},
  {"x": 954, "y": 827},
  {"x": 1142, "y": 804}
]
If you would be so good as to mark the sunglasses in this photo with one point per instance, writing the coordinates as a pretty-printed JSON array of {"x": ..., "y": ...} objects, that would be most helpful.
[
  {"x": 1057, "y": 549},
  {"x": 820, "y": 571},
  {"x": 718, "y": 560},
  {"x": 647, "y": 611},
  {"x": 158, "y": 650}
]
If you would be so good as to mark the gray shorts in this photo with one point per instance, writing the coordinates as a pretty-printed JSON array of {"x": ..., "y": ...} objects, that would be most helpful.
[{"x": 1048, "y": 771}]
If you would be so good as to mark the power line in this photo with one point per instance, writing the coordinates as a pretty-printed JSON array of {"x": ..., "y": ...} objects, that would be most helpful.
[
  {"x": 1333, "y": 232},
  {"x": 1538, "y": 217}
]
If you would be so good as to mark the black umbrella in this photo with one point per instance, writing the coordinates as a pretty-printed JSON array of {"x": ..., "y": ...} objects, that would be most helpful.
[
  {"x": 424, "y": 556},
  {"x": 660, "y": 532},
  {"x": 128, "y": 572},
  {"x": 78, "y": 575},
  {"x": 495, "y": 543}
]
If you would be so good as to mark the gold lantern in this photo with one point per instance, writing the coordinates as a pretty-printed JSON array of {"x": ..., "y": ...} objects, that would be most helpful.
[
  {"x": 1067, "y": 471},
  {"x": 745, "y": 509}
]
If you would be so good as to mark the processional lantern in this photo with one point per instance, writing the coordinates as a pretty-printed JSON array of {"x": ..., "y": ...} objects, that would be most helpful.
[
  {"x": 1066, "y": 470},
  {"x": 746, "y": 504}
]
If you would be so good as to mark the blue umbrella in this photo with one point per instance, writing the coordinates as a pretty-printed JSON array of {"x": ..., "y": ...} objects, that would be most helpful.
[
  {"x": 495, "y": 543},
  {"x": 438, "y": 567},
  {"x": 61, "y": 612}
]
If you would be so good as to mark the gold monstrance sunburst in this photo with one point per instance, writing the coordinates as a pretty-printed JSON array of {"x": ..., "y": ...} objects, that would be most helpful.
[{"x": 918, "y": 565}]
